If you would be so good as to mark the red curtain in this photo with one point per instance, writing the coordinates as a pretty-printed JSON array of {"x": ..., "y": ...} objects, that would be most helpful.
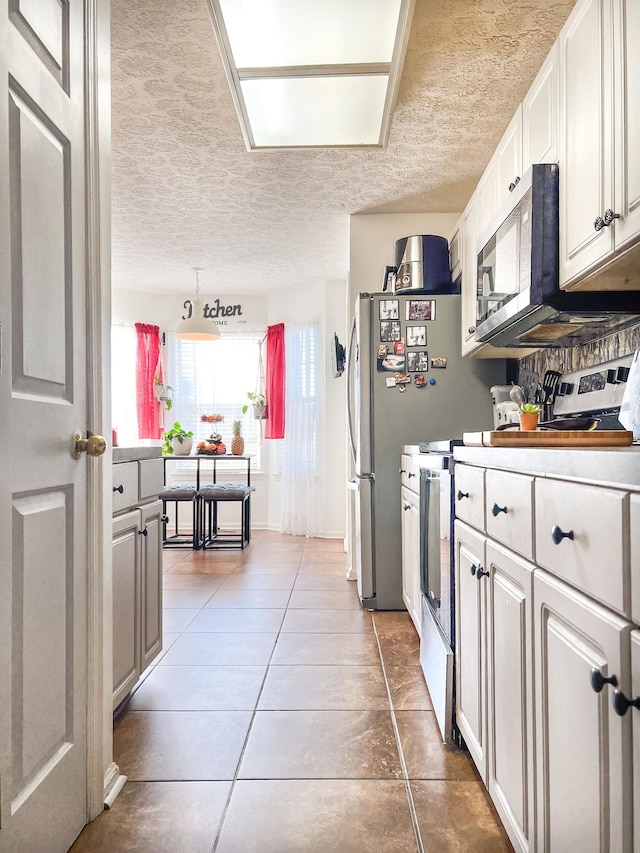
[
  {"x": 275, "y": 382},
  {"x": 148, "y": 352}
]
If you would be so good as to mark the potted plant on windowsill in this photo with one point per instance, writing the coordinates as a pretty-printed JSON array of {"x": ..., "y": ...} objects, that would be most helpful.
[
  {"x": 259, "y": 404},
  {"x": 177, "y": 441},
  {"x": 529, "y": 415}
]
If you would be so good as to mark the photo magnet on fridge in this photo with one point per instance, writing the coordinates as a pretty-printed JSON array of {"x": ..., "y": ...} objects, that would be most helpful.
[
  {"x": 418, "y": 362},
  {"x": 390, "y": 330},
  {"x": 390, "y": 309},
  {"x": 391, "y": 382},
  {"x": 421, "y": 309},
  {"x": 439, "y": 361},
  {"x": 391, "y": 363},
  {"x": 398, "y": 347},
  {"x": 416, "y": 336}
]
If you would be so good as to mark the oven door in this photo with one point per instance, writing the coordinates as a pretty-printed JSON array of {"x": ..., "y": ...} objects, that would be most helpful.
[{"x": 436, "y": 553}]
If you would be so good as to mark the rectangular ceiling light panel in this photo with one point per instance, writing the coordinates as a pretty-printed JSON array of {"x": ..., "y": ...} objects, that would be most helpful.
[{"x": 313, "y": 73}]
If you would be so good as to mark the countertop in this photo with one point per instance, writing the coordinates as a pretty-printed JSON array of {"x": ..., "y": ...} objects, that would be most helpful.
[
  {"x": 618, "y": 467},
  {"x": 134, "y": 454}
]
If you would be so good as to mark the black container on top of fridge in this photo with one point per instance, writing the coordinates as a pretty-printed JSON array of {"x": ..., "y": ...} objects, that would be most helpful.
[{"x": 412, "y": 343}]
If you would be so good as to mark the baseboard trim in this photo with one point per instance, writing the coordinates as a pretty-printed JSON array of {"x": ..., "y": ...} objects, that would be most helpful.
[{"x": 114, "y": 782}]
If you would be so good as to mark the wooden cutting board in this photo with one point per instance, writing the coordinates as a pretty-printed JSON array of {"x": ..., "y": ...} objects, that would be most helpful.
[{"x": 558, "y": 438}]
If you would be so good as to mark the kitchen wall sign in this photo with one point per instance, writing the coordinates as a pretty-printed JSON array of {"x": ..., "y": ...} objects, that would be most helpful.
[{"x": 214, "y": 311}]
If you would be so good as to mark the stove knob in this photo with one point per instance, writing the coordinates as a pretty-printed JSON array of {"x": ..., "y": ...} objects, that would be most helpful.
[
  {"x": 622, "y": 374},
  {"x": 612, "y": 377},
  {"x": 565, "y": 389}
]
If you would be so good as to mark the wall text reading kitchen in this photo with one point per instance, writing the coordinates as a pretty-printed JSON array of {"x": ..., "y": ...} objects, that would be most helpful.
[{"x": 210, "y": 312}]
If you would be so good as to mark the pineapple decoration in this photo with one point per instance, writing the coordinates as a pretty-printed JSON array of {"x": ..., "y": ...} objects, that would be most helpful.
[{"x": 237, "y": 442}]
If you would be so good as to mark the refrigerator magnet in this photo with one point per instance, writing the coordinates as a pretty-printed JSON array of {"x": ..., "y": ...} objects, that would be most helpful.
[
  {"x": 402, "y": 378},
  {"x": 418, "y": 362},
  {"x": 389, "y": 309},
  {"x": 398, "y": 347},
  {"x": 391, "y": 363},
  {"x": 420, "y": 309},
  {"x": 391, "y": 381},
  {"x": 416, "y": 336},
  {"x": 390, "y": 330},
  {"x": 419, "y": 381},
  {"x": 439, "y": 362}
]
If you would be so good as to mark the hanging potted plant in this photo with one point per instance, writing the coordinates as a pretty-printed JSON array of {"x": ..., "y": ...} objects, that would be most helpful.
[
  {"x": 163, "y": 392},
  {"x": 258, "y": 402},
  {"x": 177, "y": 441}
]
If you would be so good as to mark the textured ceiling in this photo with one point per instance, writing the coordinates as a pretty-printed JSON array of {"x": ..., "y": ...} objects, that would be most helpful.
[{"x": 187, "y": 193}]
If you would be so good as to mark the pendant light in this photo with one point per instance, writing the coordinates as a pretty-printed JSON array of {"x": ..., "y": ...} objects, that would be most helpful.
[{"x": 196, "y": 328}]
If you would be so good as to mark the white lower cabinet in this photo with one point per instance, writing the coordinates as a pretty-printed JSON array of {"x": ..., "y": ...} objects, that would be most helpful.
[
  {"x": 583, "y": 748},
  {"x": 510, "y": 755},
  {"x": 410, "y": 515},
  {"x": 494, "y": 675},
  {"x": 137, "y": 594}
]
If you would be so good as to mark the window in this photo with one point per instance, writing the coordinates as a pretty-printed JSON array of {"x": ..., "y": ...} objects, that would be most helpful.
[
  {"x": 124, "y": 415},
  {"x": 213, "y": 377}
]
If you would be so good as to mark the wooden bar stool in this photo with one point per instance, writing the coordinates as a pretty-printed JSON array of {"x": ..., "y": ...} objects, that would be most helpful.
[{"x": 209, "y": 497}]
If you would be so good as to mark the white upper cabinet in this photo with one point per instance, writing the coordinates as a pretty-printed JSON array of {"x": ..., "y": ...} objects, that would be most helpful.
[
  {"x": 469, "y": 230},
  {"x": 540, "y": 115},
  {"x": 600, "y": 150},
  {"x": 508, "y": 160},
  {"x": 586, "y": 163}
]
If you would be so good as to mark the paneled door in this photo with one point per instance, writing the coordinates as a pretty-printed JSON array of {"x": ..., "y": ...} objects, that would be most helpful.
[{"x": 43, "y": 401}]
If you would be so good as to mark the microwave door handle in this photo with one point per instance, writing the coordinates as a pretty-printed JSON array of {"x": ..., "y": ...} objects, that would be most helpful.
[{"x": 351, "y": 358}]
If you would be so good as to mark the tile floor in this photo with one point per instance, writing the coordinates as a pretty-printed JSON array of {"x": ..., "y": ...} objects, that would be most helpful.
[{"x": 282, "y": 717}]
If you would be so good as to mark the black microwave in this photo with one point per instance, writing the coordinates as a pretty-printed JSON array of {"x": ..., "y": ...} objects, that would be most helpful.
[{"x": 519, "y": 302}]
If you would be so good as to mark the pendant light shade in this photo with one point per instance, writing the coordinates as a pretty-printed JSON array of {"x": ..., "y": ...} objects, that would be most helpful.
[{"x": 196, "y": 327}]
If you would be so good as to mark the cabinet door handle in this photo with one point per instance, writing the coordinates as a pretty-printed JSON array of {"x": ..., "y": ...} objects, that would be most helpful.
[
  {"x": 119, "y": 488},
  {"x": 410, "y": 475},
  {"x": 473, "y": 568},
  {"x": 598, "y": 680},
  {"x": 514, "y": 184},
  {"x": 405, "y": 507},
  {"x": 557, "y": 534},
  {"x": 164, "y": 519},
  {"x": 609, "y": 216},
  {"x": 461, "y": 495},
  {"x": 481, "y": 573},
  {"x": 143, "y": 532},
  {"x": 471, "y": 330},
  {"x": 401, "y": 471},
  {"x": 496, "y": 510},
  {"x": 621, "y": 704}
]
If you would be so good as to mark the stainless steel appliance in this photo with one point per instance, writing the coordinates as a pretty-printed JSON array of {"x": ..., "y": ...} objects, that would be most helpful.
[
  {"x": 437, "y": 578},
  {"x": 519, "y": 301},
  {"x": 594, "y": 392},
  {"x": 420, "y": 265},
  {"x": 444, "y": 395}
]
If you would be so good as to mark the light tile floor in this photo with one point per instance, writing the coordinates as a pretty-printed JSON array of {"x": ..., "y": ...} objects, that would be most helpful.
[{"x": 283, "y": 718}]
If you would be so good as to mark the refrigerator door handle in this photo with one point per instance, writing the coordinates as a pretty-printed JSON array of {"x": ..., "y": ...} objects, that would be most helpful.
[{"x": 351, "y": 359}]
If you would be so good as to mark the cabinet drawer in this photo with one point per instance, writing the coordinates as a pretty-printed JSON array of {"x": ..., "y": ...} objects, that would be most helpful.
[
  {"x": 125, "y": 475},
  {"x": 151, "y": 478},
  {"x": 469, "y": 495},
  {"x": 634, "y": 527},
  {"x": 509, "y": 510},
  {"x": 589, "y": 525},
  {"x": 410, "y": 473}
]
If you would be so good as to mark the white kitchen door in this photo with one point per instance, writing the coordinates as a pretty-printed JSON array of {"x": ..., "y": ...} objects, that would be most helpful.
[{"x": 43, "y": 401}]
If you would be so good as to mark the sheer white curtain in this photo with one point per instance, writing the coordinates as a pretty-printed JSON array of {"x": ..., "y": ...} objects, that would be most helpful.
[{"x": 303, "y": 406}]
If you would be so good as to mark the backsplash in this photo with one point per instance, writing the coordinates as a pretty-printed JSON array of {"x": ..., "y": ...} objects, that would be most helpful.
[{"x": 567, "y": 359}]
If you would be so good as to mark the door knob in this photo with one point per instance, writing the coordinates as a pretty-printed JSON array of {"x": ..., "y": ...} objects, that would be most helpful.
[{"x": 93, "y": 445}]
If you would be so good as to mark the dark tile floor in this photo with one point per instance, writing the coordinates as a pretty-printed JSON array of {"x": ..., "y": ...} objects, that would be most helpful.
[{"x": 271, "y": 723}]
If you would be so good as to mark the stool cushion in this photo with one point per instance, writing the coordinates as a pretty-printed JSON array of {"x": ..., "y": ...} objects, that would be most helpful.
[
  {"x": 225, "y": 492},
  {"x": 178, "y": 492}
]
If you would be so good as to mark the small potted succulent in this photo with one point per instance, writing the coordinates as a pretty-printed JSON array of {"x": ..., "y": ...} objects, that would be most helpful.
[
  {"x": 529, "y": 415},
  {"x": 177, "y": 441},
  {"x": 259, "y": 403}
]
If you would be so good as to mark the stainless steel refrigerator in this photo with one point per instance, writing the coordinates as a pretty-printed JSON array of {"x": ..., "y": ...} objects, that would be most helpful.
[{"x": 411, "y": 343}]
